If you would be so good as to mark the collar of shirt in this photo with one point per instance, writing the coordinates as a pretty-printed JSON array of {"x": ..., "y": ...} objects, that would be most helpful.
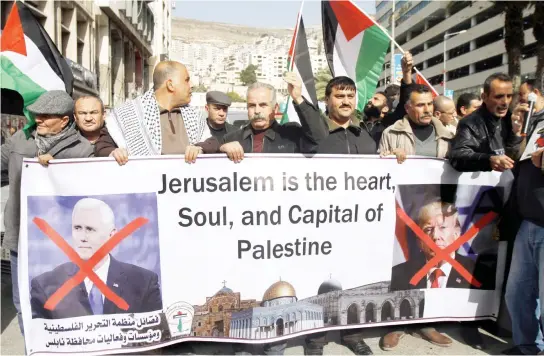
[
  {"x": 102, "y": 273},
  {"x": 446, "y": 268}
]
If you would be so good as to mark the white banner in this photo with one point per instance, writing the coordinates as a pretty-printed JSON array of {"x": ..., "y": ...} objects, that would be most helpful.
[{"x": 123, "y": 259}]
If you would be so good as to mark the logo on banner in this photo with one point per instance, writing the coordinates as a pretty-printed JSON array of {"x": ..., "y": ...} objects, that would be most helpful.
[{"x": 180, "y": 318}]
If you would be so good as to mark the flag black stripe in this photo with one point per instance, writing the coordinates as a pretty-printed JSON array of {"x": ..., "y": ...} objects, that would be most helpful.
[
  {"x": 330, "y": 24},
  {"x": 37, "y": 34},
  {"x": 303, "y": 62}
]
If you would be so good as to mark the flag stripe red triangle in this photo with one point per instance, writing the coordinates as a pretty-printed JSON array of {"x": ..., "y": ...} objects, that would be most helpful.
[
  {"x": 351, "y": 20},
  {"x": 13, "y": 36}
]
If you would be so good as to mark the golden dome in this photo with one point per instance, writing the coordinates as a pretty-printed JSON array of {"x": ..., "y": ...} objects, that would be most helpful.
[{"x": 278, "y": 290}]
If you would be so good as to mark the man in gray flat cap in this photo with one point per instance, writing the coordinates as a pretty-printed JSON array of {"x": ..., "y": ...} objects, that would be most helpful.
[
  {"x": 217, "y": 106},
  {"x": 52, "y": 135}
]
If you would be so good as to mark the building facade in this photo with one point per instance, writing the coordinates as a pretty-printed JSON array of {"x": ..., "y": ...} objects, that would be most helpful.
[
  {"x": 110, "y": 45},
  {"x": 280, "y": 313},
  {"x": 470, "y": 57},
  {"x": 213, "y": 318}
]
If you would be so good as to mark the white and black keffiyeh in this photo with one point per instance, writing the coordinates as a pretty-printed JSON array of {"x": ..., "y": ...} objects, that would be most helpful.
[{"x": 136, "y": 125}]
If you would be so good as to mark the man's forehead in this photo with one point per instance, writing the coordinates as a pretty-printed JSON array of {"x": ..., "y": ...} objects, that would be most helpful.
[
  {"x": 380, "y": 96},
  {"x": 342, "y": 90},
  {"x": 259, "y": 94},
  {"x": 501, "y": 86},
  {"x": 87, "y": 101},
  {"x": 421, "y": 97}
]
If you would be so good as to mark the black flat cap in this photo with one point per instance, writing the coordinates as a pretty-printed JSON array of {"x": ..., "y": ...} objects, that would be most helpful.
[{"x": 218, "y": 98}]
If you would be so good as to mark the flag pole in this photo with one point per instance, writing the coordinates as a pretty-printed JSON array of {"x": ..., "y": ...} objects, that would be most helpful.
[
  {"x": 291, "y": 61},
  {"x": 392, "y": 70}
]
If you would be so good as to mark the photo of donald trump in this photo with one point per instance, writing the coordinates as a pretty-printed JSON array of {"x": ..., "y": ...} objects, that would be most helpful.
[
  {"x": 93, "y": 224},
  {"x": 440, "y": 221}
]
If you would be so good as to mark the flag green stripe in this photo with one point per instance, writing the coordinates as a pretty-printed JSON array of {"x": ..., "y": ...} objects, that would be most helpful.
[
  {"x": 370, "y": 63},
  {"x": 12, "y": 78}
]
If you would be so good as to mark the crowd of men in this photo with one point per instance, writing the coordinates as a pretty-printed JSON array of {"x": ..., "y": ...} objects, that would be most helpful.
[{"x": 474, "y": 134}]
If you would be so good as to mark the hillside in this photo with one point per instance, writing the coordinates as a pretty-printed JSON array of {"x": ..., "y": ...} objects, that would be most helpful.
[{"x": 200, "y": 31}]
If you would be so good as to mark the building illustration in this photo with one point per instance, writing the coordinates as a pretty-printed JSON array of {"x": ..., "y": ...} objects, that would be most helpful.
[
  {"x": 280, "y": 313},
  {"x": 370, "y": 303},
  {"x": 213, "y": 318}
]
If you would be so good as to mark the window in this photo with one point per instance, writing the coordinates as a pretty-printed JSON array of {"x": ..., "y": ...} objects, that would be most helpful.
[
  {"x": 417, "y": 49},
  {"x": 458, "y": 73},
  {"x": 381, "y": 5},
  {"x": 489, "y": 38},
  {"x": 435, "y": 60},
  {"x": 459, "y": 50},
  {"x": 436, "y": 80},
  {"x": 528, "y": 22},
  {"x": 488, "y": 63},
  {"x": 457, "y": 6},
  {"x": 385, "y": 17},
  {"x": 487, "y": 14},
  {"x": 414, "y": 10},
  {"x": 529, "y": 51}
]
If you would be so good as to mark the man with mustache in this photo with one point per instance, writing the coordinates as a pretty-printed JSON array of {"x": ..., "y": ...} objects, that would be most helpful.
[
  {"x": 419, "y": 133},
  {"x": 264, "y": 135},
  {"x": 489, "y": 139}
]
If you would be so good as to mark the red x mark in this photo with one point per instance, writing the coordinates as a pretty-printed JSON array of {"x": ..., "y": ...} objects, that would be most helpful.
[
  {"x": 86, "y": 267},
  {"x": 444, "y": 254}
]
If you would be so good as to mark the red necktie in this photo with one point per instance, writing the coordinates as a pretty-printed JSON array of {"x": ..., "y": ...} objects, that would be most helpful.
[{"x": 434, "y": 276}]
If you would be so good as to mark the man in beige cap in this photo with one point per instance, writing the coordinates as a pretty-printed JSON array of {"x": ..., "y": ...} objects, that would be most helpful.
[{"x": 217, "y": 107}]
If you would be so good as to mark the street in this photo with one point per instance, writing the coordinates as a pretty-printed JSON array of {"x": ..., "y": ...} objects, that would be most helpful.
[{"x": 12, "y": 341}]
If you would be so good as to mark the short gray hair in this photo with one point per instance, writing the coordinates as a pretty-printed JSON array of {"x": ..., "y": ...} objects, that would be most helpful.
[{"x": 258, "y": 85}]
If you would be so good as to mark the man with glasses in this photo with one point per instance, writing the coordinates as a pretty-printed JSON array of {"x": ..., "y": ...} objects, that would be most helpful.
[
  {"x": 444, "y": 110},
  {"x": 89, "y": 117}
]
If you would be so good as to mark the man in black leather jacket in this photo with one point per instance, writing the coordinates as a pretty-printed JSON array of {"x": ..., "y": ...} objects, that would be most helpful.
[{"x": 486, "y": 139}]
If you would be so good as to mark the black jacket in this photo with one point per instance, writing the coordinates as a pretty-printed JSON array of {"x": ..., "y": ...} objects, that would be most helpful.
[
  {"x": 352, "y": 140},
  {"x": 334, "y": 139},
  {"x": 219, "y": 133},
  {"x": 480, "y": 136},
  {"x": 287, "y": 138}
]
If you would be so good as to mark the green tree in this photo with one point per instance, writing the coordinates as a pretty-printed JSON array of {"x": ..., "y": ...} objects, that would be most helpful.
[
  {"x": 235, "y": 97},
  {"x": 538, "y": 32},
  {"x": 322, "y": 77},
  {"x": 248, "y": 75},
  {"x": 514, "y": 38},
  {"x": 200, "y": 89}
]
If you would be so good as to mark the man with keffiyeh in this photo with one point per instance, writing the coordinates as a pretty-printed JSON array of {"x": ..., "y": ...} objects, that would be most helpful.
[{"x": 160, "y": 122}]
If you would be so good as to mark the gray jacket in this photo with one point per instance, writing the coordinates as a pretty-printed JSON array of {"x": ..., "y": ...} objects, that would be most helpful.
[{"x": 13, "y": 152}]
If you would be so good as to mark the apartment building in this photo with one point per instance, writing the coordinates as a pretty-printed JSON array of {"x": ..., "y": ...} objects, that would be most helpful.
[
  {"x": 110, "y": 45},
  {"x": 420, "y": 27}
]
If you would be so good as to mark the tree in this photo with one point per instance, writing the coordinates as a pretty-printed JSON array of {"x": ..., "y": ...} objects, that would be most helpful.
[
  {"x": 248, "y": 76},
  {"x": 514, "y": 38},
  {"x": 201, "y": 88},
  {"x": 235, "y": 97},
  {"x": 538, "y": 32},
  {"x": 322, "y": 77}
]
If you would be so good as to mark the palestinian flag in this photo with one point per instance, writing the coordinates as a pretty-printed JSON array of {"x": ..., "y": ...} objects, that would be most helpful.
[
  {"x": 299, "y": 62},
  {"x": 355, "y": 46},
  {"x": 30, "y": 62},
  {"x": 420, "y": 79}
]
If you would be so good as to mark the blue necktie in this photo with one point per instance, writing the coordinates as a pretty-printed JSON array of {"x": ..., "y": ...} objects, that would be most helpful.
[{"x": 95, "y": 299}]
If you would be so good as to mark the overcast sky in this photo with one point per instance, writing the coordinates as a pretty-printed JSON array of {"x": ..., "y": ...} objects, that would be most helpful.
[{"x": 256, "y": 13}]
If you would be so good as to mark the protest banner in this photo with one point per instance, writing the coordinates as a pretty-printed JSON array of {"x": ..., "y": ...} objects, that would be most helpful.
[{"x": 117, "y": 259}]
